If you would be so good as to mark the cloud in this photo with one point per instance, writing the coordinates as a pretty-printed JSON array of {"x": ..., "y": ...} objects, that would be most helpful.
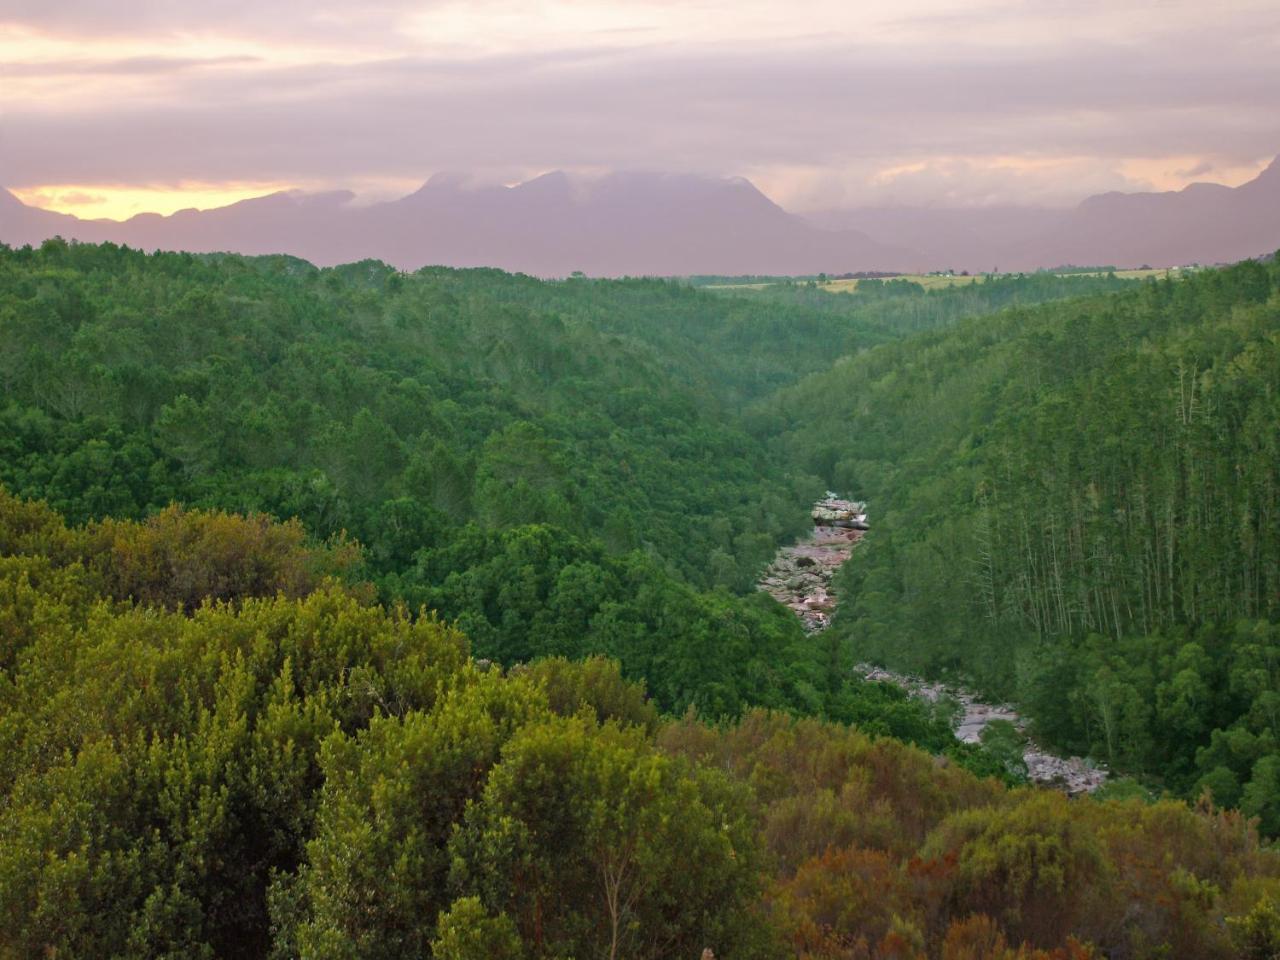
[
  {"x": 60, "y": 198},
  {"x": 961, "y": 109},
  {"x": 283, "y": 19},
  {"x": 1199, "y": 170},
  {"x": 79, "y": 198},
  {"x": 127, "y": 66},
  {"x": 976, "y": 181}
]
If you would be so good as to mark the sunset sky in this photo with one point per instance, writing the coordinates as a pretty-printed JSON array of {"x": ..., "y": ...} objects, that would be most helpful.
[{"x": 112, "y": 108}]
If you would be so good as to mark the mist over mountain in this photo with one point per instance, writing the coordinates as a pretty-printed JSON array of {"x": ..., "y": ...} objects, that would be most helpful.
[
  {"x": 976, "y": 239},
  {"x": 1202, "y": 223},
  {"x": 667, "y": 224},
  {"x": 622, "y": 223}
]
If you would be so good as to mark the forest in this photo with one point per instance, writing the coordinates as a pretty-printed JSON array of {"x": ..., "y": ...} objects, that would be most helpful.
[
  {"x": 1078, "y": 508},
  {"x": 292, "y": 769},
  {"x": 559, "y": 468},
  {"x": 356, "y": 613}
]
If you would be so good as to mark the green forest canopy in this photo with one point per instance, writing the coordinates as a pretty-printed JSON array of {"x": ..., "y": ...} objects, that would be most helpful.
[
  {"x": 235, "y": 736},
  {"x": 562, "y": 468},
  {"x": 297, "y": 770},
  {"x": 1077, "y": 506}
]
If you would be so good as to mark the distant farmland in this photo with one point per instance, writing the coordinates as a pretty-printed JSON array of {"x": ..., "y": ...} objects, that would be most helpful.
[{"x": 938, "y": 281}]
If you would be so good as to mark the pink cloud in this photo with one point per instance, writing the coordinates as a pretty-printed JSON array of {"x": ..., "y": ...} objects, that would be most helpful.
[{"x": 819, "y": 114}]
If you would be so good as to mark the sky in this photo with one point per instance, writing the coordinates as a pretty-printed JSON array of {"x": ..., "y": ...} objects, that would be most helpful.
[{"x": 113, "y": 107}]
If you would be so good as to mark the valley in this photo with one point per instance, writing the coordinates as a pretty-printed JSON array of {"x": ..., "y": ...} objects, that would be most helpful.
[
  {"x": 631, "y": 480},
  {"x": 331, "y": 599},
  {"x": 800, "y": 578},
  {"x": 1072, "y": 775}
]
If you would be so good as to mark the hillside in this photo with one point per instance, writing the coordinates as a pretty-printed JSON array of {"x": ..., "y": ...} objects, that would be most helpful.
[
  {"x": 471, "y": 428},
  {"x": 1076, "y": 508},
  {"x": 289, "y": 770},
  {"x": 450, "y": 644}
]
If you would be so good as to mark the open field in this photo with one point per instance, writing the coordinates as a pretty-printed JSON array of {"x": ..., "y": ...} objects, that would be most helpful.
[
  {"x": 938, "y": 281},
  {"x": 928, "y": 281},
  {"x": 932, "y": 281}
]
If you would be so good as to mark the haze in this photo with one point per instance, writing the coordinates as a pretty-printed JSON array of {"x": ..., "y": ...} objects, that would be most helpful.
[{"x": 110, "y": 109}]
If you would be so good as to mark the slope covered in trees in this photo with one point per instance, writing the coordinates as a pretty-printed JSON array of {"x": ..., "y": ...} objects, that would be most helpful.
[
  {"x": 294, "y": 770},
  {"x": 223, "y": 734},
  {"x": 904, "y": 306},
  {"x": 560, "y": 467},
  {"x": 1077, "y": 506}
]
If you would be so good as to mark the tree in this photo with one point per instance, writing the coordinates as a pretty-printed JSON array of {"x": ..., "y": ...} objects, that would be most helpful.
[
  {"x": 1261, "y": 796},
  {"x": 375, "y": 878},
  {"x": 1257, "y": 933},
  {"x": 468, "y": 932},
  {"x": 596, "y": 845}
]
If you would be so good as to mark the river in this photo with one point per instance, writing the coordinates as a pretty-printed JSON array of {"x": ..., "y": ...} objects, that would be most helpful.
[{"x": 800, "y": 577}]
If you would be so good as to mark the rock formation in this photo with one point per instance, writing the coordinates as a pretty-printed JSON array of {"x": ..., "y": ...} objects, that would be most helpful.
[
  {"x": 831, "y": 511},
  {"x": 800, "y": 576}
]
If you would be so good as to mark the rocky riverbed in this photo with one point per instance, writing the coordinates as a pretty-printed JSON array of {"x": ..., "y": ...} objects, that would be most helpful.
[
  {"x": 800, "y": 578},
  {"x": 1070, "y": 774},
  {"x": 800, "y": 575}
]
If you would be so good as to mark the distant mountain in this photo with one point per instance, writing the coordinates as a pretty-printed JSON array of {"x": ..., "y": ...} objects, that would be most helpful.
[
  {"x": 20, "y": 224},
  {"x": 976, "y": 239},
  {"x": 1203, "y": 223},
  {"x": 622, "y": 223},
  {"x": 667, "y": 224}
]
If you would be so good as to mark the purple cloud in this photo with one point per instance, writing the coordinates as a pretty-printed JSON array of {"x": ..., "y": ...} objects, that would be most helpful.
[{"x": 835, "y": 105}]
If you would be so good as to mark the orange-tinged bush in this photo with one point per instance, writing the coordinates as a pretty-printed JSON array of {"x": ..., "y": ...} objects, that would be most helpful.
[
  {"x": 179, "y": 558},
  {"x": 978, "y": 937},
  {"x": 838, "y": 902}
]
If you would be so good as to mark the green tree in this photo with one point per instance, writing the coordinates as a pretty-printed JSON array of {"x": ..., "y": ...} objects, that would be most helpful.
[
  {"x": 595, "y": 845},
  {"x": 467, "y": 932}
]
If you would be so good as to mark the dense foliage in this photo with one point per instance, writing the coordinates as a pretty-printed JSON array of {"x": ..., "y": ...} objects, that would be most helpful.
[
  {"x": 559, "y": 467},
  {"x": 1079, "y": 506},
  {"x": 904, "y": 306},
  {"x": 319, "y": 776},
  {"x": 257, "y": 519}
]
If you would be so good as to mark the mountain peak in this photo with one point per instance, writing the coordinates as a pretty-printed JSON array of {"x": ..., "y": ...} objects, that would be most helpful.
[
  {"x": 553, "y": 182},
  {"x": 1269, "y": 178},
  {"x": 445, "y": 180}
]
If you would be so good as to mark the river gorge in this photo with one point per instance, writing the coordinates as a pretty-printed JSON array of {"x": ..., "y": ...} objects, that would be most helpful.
[{"x": 800, "y": 577}]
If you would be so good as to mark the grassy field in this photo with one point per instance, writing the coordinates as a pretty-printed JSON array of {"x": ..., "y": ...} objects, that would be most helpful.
[
  {"x": 928, "y": 281},
  {"x": 932, "y": 281}
]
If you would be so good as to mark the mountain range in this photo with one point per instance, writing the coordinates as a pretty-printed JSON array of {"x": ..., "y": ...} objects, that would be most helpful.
[
  {"x": 679, "y": 224},
  {"x": 1203, "y": 223}
]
